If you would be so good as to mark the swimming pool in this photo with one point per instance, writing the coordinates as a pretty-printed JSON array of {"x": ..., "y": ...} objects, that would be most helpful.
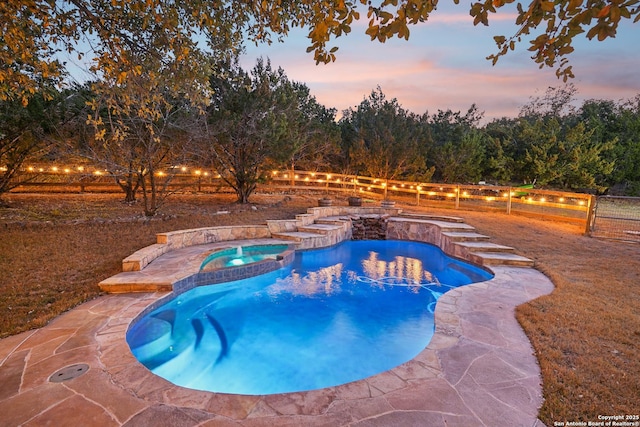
[{"x": 333, "y": 316}]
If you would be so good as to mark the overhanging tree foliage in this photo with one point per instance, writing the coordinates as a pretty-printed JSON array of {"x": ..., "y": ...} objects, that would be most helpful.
[{"x": 110, "y": 34}]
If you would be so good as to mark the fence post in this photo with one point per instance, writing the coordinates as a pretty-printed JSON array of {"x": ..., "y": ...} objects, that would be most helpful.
[
  {"x": 591, "y": 208},
  {"x": 509, "y": 201},
  {"x": 417, "y": 194},
  {"x": 457, "y": 196}
]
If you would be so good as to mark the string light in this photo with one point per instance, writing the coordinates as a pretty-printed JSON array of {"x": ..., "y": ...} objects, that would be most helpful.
[{"x": 329, "y": 177}]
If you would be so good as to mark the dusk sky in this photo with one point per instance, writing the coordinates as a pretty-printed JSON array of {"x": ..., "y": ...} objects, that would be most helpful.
[{"x": 443, "y": 66}]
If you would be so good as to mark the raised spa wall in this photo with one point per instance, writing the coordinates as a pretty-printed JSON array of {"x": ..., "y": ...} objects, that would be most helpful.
[{"x": 319, "y": 227}]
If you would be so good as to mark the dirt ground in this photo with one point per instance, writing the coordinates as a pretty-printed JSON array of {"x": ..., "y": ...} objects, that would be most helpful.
[{"x": 55, "y": 248}]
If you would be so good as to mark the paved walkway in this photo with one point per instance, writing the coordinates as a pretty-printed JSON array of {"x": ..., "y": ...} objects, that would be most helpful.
[{"x": 478, "y": 370}]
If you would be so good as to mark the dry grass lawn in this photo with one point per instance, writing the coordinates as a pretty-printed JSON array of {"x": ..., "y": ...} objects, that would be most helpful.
[{"x": 54, "y": 249}]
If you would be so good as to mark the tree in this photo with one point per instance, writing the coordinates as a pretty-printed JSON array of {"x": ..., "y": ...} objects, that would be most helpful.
[
  {"x": 498, "y": 163},
  {"x": 627, "y": 149},
  {"x": 560, "y": 154},
  {"x": 249, "y": 119},
  {"x": 457, "y": 147},
  {"x": 618, "y": 122},
  {"x": 461, "y": 161},
  {"x": 141, "y": 147},
  {"x": 556, "y": 102},
  {"x": 314, "y": 136},
  {"x": 384, "y": 140},
  {"x": 23, "y": 130}
]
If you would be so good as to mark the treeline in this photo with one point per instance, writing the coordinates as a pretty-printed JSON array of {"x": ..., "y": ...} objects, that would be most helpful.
[{"x": 259, "y": 120}]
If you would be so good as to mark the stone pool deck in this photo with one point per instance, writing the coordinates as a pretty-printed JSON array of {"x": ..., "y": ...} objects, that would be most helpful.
[{"x": 478, "y": 370}]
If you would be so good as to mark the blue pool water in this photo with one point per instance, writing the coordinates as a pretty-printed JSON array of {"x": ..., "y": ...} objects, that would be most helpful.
[
  {"x": 241, "y": 255},
  {"x": 333, "y": 316}
]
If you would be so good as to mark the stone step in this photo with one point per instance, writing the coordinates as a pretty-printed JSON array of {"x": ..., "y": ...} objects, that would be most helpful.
[
  {"x": 464, "y": 236},
  {"x": 305, "y": 219},
  {"x": 341, "y": 220},
  {"x": 500, "y": 258},
  {"x": 282, "y": 225},
  {"x": 482, "y": 246},
  {"x": 321, "y": 228},
  {"x": 304, "y": 240},
  {"x": 444, "y": 218},
  {"x": 443, "y": 225}
]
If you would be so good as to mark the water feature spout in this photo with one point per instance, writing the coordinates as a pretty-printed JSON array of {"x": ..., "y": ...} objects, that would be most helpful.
[{"x": 239, "y": 251}]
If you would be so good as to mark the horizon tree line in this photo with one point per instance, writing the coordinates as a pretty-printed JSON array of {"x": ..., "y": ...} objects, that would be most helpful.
[{"x": 258, "y": 120}]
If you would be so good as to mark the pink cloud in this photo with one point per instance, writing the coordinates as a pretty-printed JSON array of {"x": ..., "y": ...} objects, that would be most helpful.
[{"x": 443, "y": 66}]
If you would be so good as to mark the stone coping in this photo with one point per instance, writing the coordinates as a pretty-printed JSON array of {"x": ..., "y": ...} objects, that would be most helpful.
[
  {"x": 179, "y": 270},
  {"x": 166, "y": 242},
  {"x": 139, "y": 274},
  {"x": 179, "y": 239}
]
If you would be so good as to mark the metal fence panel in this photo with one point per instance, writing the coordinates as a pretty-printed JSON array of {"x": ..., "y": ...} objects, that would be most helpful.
[{"x": 617, "y": 218}]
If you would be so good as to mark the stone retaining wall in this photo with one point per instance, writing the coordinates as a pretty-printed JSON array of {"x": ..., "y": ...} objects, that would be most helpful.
[{"x": 196, "y": 236}]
